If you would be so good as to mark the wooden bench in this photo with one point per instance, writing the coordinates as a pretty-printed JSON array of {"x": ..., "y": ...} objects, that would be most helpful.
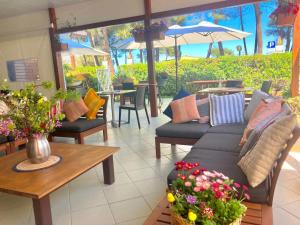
[{"x": 257, "y": 214}]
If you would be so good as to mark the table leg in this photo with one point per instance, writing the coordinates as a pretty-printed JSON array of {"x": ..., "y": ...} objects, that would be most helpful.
[
  {"x": 108, "y": 170},
  {"x": 42, "y": 211},
  {"x": 112, "y": 102}
]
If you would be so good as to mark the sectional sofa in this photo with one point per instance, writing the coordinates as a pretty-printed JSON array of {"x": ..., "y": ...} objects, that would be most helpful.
[{"x": 217, "y": 148}]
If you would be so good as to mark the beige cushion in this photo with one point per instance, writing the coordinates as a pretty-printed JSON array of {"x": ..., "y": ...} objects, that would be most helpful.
[{"x": 258, "y": 162}]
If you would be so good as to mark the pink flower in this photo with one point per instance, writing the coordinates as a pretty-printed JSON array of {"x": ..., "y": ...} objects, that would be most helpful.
[
  {"x": 218, "y": 194},
  {"x": 197, "y": 189},
  {"x": 188, "y": 184},
  {"x": 199, "y": 184},
  {"x": 204, "y": 177},
  {"x": 199, "y": 178},
  {"x": 206, "y": 185},
  {"x": 192, "y": 177},
  {"x": 226, "y": 187},
  {"x": 245, "y": 188},
  {"x": 208, "y": 212},
  {"x": 215, "y": 185},
  {"x": 237, "y": 185},
  {"x": 219, "y": 181},
  {"x": 247, "y": 196}
]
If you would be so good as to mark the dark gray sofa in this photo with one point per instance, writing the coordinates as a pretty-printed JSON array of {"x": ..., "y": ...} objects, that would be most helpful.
[{"x": 217, "y": 148}]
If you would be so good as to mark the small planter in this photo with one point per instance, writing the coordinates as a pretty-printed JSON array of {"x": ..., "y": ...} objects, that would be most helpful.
[
  {"x": 155, "y": 35},
  {"x": 285, "y": 19},
  {"x": 178, "y": 220}
]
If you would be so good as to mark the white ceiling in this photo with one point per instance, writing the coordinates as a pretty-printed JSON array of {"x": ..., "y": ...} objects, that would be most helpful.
[{"x": 16, "y": 7}]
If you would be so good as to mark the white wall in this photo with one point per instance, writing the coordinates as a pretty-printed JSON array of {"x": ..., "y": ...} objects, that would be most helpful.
[
  {"x": 26, "y": 36},
  {"x": 98, "y": 10}
]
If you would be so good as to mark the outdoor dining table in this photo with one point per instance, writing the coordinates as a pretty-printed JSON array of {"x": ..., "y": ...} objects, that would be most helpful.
[
  {"x": 224, "y": 90},
  {"x": 112, "y": 95}
]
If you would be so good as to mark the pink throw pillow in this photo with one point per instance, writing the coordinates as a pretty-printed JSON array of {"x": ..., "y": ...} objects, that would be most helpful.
[
  {"x": 185, "y": 109},
  {"x": 264, "y": 110}
]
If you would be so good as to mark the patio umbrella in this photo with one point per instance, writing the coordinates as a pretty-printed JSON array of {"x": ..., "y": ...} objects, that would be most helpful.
[
  {"x": 75, "y": 48},
  {"x": 204, "y": 32}
]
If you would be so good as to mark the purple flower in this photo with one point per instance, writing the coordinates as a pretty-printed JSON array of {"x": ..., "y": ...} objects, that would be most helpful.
[
  {"x": 58, "y": 124},
  {"x": 191, "y": 199}
]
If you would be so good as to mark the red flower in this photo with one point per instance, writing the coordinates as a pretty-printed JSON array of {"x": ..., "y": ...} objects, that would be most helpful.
[
  {"x": 196, "y": 172},
  {"x": 245, "y": 188},
  {"x": 183, "y": 177},
  {"x": 215, "y": 185},
  {"x": 196, "y": 164},
  {"x": 218, "y": 194}
]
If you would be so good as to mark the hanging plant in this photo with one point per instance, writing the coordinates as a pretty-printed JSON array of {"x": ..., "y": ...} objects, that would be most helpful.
[
  {"x": 285, "y": 13},
  {"x": 157, "y": 32}
]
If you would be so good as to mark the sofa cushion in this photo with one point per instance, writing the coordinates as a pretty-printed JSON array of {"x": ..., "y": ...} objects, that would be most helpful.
[
  {"x": 181, "y": 94},
  {"x": 226, "y": 163},
  {"x": 234, "y": 128},
  {"x": 219, "y": 142},
  {"x": 191, "y": 129},
  {"x": 80, "y": 125},
  {"x": 255, "y": 100},
  {"x": 226, "y": 109}
]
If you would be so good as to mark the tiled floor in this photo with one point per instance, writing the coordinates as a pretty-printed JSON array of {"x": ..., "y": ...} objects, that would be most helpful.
[{"x": 140, "y": 184}]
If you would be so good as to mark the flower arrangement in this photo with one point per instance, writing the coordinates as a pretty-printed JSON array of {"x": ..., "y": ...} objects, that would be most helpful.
[
  {"x": 199, "y": 196},
  {"x": 285, "y": 13},
  {"x": 30, "y": 113}
]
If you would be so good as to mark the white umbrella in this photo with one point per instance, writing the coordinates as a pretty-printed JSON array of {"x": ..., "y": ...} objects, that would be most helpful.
[{"x": 204, "y": 32}]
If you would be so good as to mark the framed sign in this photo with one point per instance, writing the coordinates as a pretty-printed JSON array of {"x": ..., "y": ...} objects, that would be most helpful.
[{"x": 23, "y": 70}]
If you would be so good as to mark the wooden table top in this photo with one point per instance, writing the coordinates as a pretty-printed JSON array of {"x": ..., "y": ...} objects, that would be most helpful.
[
  {"x": 225, "y": 90},
  {"x": 257, "y": 214},
  {"x": 76, "y": 160}
]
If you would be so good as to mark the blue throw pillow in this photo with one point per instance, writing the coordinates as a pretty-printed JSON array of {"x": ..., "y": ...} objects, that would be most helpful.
[
  {"x": 226, "y": 109},
  {"x": 181, "y": 94}
]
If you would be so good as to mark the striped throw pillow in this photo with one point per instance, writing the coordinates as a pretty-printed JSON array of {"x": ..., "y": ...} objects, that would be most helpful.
[{"x": 226, "y": 109}]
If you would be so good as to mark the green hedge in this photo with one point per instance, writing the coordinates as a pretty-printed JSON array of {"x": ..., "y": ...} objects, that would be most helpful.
[{"x": 253, "y": 70}]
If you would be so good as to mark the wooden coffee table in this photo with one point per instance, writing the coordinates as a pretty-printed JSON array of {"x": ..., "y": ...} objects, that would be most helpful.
[
  {"x": 38, "y": 185},
  {"x": 257, "y": 214}
]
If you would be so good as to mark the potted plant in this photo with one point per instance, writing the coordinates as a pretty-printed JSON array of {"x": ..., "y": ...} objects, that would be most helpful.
[
  {"x": 199, "y": 196},
  {"x": 33, "y": 116},
  {"x": 157, "y": 32},
  {"x": 285, "y": 13}
]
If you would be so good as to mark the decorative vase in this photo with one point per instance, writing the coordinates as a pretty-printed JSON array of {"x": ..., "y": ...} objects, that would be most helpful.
[
  {"x": 178, "y": 220},
  {"x": 38, "y": 149}
]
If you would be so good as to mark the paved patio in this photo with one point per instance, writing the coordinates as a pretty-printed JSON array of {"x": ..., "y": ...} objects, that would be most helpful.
[{"x": 140, "y": 184}]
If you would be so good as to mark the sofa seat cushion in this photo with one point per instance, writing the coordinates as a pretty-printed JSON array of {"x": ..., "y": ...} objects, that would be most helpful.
[
  {"x": 3, "y": 139},
  {"x": 219, "y": 142},
  {"x": 226, "y": 163},
  {"x": 192, "y": 129},
  {"x": 233, "y": 128},
  {"x": 80, "y": 125}
]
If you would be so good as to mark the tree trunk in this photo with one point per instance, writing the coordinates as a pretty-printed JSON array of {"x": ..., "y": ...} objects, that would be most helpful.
[
  {"x": 221, "y": 49},
  {"x": 125, "y": 55},
  {"x": 115, "y": 55},
  {"x": 93, "y": 46},
  {"x": 141, "y": 56},
  {"x": 288, "y": 39},
  {"x": 179, "y": 52},
  {"x": 156, "y": 54},
  {"x": 258, "y": 29},
  {"x": 209, "y": 50},
  {"x": 106, "y": 48},
  {"x": 243, "y": 29}
]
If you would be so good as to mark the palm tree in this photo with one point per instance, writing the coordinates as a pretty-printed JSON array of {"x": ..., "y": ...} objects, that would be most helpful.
[
  {"x": 242, "y": 28},
  {"x": 258, "y": 45},
  {"x": 91, "y": 38},
  {"x": 217, "y": 16}
]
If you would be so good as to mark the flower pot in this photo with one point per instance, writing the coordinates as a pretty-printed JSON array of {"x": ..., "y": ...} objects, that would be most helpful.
[
  {"x": 157, "y": 35},
  {"x": 178, "y": 220},
  {"x": 139, "y": 37},
  {"x": 38, "y": 149},
  {"x": 61, "y": 47},
  {"x": 285, "y": 19}
]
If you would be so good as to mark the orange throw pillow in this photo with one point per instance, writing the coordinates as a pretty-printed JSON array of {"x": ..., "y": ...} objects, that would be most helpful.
[
  {"x": 74, "y": 109},
  {"x": 185, "y": 109},
  {"x": 94, "y": 102},
  {"x": 264, "y": 110}
]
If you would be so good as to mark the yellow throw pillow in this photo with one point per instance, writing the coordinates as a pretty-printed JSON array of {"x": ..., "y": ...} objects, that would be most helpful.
[{"x": 94, "y": 102}]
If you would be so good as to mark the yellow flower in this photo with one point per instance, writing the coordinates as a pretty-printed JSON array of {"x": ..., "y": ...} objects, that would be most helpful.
[
  {"x": 192, "y": 216},
  {"x": 170, "y": 198}
]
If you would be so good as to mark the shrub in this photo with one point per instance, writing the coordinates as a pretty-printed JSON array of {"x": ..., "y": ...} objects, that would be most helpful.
[{"x": 253, "y": 70}]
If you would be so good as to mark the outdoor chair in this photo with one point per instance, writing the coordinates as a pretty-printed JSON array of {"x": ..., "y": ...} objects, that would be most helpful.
[
  {"x": 266, "y": 86},
  {"x": 138, "y": 104},
  {"x": 234, "y": 83},
  {"x": 82, "y": 127},
  {"x": 130, "y": 96}
]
